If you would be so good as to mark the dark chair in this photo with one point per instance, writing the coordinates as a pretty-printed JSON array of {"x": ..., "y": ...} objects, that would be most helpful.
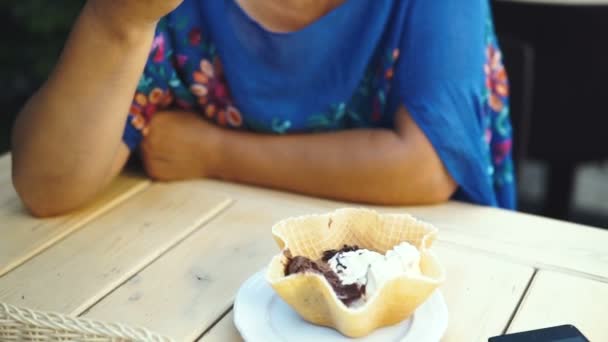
[
  {"x": 570, "y": 71},
  {"x": 519, "y": 62}
]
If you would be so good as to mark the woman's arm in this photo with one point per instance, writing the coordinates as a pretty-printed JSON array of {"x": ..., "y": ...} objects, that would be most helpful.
[
  {"x": 374, "y": 166},
  {"x": 67, "y": 139}
]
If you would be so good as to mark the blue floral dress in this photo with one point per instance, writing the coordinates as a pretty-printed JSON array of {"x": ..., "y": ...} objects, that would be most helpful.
[{"x": 352, "y": 68}]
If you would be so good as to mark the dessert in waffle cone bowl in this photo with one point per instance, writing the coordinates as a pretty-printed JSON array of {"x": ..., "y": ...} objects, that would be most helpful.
[{"x": 354, "y": 299}]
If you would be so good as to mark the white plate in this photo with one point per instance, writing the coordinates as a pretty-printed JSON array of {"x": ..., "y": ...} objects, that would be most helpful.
[{"x": 262, "y": 316}]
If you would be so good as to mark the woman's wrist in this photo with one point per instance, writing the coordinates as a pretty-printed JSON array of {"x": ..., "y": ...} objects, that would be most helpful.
[
  {"x": 213, "y": 149},
  {"x": 116, "y": 25}
]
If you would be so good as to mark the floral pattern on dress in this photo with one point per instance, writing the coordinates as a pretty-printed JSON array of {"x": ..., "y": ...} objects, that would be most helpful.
[
  {"x": 211, "y": 89},
  {"x": 184, "y": 70},
  {"x": 497, "y": 125},
  {"x": 369, "y": 103},
  {"x": 162, "y": 86}
]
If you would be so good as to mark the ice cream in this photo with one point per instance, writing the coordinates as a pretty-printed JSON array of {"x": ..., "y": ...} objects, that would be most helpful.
[
  {"x": 356, "y": 274},
  {"x": 372, "y": 270},
  {"x": 347, "y": 293},
  {"x": 385, "y": 285}
]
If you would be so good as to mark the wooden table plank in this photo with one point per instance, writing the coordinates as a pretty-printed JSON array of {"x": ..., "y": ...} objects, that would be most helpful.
[
  {"x": 556, "y": 299},
  {"x": 23, "y": 236},
  {"x": 223, "y": 331},
  {"x": 5, "y": 165},
  {"x": 481, "y": 294},
  {"x": 206, "y": 270},
  {"x": 75, "y": 273},
  {"x": 250, "y": 192},
  {"x": 528, "y": 239},
  {"x": 185, "y": 291}
]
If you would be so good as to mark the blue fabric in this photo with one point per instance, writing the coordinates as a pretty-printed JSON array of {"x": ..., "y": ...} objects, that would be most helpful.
[{"x": 352, "y": 68}]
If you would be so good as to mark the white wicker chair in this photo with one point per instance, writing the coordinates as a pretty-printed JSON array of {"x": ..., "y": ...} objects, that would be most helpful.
[{"x": 19, "y": 324}]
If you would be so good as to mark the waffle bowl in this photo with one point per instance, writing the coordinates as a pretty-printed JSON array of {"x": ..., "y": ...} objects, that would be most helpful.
[{"x": 311, "y": 296}]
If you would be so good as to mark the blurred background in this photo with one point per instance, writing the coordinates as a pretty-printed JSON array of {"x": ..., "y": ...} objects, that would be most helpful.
[
  {"x": 556, "y": 55},
  {"x": 32, "y": 33}
]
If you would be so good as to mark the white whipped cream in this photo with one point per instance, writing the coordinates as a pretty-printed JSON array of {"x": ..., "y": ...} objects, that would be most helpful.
[{"x": 373, "y": 269}]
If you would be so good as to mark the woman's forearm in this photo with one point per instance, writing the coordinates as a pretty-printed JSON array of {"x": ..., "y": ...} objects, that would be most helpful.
[
  {"x": 372, "y": 166},
  {"x": 67, "y": 139}
]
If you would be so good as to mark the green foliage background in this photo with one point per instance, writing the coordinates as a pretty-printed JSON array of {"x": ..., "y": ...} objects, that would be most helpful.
[{"x": 32, "y": 33}]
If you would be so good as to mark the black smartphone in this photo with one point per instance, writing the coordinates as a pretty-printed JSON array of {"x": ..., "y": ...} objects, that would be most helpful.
[{"x": 562, "y": 333}]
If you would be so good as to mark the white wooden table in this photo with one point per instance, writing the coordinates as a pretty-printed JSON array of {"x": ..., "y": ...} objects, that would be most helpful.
[{"x": 170, "y": 257}]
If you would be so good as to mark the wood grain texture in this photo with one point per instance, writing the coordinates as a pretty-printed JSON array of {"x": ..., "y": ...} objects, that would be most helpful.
[
  {"x": 188, "y": 289},
  {"x": 22, "y": 236},
  {"x": 223, "y": 331},
  {"x": 249, "y": 192},
  {"x": 156, "y": 259},
  {"x": 184, "y": 292},
  {"x": 481, "y": 293},
  {"x": 75, "y": 273},
  {"x": 528, "y": 239},
  {"x": 522, "y": 238},
  {"x": 556, "y": 299}
]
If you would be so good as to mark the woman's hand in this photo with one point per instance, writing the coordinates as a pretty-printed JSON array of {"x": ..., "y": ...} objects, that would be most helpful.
[
  {"x": 180, "y": 145},
  {"x": 373, "y": 166}
]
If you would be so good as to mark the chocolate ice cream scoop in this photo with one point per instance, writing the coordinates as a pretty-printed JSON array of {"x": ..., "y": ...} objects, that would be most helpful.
[
  {"x": 328, "y": 254},
  {"x": 346, "y": 293}
]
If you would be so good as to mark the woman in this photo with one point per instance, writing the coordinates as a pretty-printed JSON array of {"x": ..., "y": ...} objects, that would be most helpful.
[{"x": 386, "y": 102}]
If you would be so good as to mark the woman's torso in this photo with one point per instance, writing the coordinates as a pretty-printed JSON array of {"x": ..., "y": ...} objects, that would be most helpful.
[{"x": 344, "y": 70}]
